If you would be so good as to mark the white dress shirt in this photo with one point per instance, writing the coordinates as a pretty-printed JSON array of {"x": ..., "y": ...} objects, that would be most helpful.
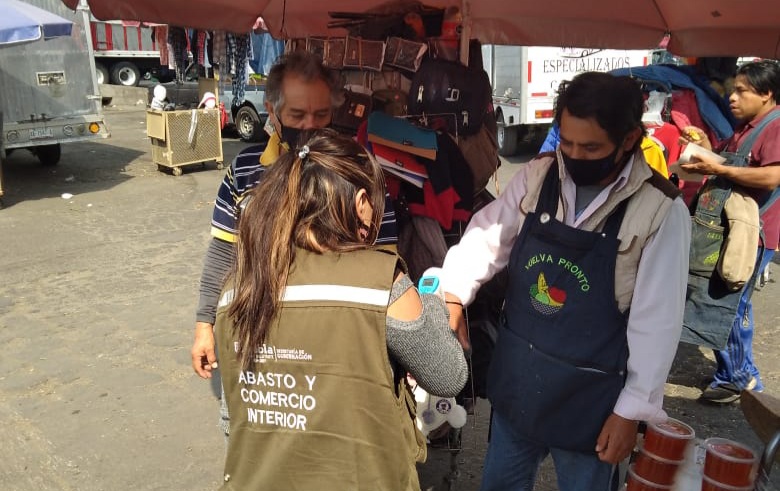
[{"x": 656, "y": 313}]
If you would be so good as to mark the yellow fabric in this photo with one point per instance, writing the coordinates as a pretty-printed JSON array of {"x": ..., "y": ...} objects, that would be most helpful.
[
  {"x": 654, "y": 156},
  {"x": 222, "y": 235},
  {"x": 272, "y": 151}
]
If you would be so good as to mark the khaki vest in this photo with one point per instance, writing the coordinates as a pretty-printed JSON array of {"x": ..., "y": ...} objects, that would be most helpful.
[
  {"x": 651, "y": 198},
  {"x": 320, "y": 409}
]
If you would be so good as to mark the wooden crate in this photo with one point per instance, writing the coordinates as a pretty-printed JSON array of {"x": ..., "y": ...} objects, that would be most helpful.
[{"x": 175, "y": 143}]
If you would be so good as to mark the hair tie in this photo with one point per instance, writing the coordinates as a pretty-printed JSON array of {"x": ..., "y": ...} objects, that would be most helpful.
[{"x": 303, "y": 152}]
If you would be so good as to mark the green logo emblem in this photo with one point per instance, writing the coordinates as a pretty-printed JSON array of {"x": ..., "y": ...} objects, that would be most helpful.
[{"x": 546, "y": 299}]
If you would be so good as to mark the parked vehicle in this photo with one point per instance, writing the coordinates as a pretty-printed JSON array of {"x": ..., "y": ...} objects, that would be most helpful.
[
  {"x": 250, "y": 116},
  {"x": 125, "y": 53},
  {"x": 47, "y": 95},
  {"x": 525, "y": 80}
]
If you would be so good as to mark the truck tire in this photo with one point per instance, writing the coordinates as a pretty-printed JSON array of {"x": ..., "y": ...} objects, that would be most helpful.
[
  {"x": 248, "y": 125},
  {"x": 125, "y": 73},
  {"x": 507, "y": 140},
  {"x": 101, "y": 72},
  {"x": 49, "y": 155}
]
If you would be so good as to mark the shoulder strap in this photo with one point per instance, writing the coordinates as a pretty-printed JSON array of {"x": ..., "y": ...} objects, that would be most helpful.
[
  {"x": 550, "y": 193},
  {"x": 662, "y": 184},
  {"x": 747, "y": 145}
]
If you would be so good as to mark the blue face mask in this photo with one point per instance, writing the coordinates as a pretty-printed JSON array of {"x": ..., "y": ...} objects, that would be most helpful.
[{"x": 587, "y": 172}]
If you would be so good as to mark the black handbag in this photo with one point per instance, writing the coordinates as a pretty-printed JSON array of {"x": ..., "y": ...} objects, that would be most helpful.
[
  {"x": 355, "y": 109},
  {"x": 447, "y": 87}
]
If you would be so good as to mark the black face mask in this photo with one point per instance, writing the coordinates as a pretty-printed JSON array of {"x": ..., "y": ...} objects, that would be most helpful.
[
  {"x": 290, "y": 136},
  {"x": 587, "y": 172}
]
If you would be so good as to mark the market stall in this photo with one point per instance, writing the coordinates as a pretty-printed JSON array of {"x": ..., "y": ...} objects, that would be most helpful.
[{"x": 414, "y": 91}]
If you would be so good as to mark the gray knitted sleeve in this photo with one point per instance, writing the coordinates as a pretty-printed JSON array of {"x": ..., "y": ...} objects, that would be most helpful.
[
  {"x": 216, "y": 265},
  {"x": 426, "y": 347}
]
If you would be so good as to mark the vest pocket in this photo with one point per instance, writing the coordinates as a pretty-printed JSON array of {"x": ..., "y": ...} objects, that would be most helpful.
[
  {"x": 706, "y": 242},
  {"x": 545, "y": 398}
]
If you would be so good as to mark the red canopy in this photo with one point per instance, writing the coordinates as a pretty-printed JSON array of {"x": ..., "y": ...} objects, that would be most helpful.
[
  {"x": 228, "y": 15},
  {"x": 697, "y": 27}
]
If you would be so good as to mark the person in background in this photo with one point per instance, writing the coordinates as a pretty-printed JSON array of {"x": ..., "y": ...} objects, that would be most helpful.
[
  {"x": 317, "y": 329},
  {"x": 755, "y": 97},
  {"x": 596, "y": 245}
]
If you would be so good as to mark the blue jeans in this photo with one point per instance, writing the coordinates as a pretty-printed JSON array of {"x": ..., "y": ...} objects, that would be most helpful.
[
  {"x": 735, "y": 363},
  {"x": 511, "y": 464}
]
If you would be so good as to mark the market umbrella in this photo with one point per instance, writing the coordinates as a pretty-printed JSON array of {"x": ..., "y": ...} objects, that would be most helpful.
[
  {"x": 228, "y": 15},
  {"x": 21, "y": 22},
  {"x": 696, "y": 27}
]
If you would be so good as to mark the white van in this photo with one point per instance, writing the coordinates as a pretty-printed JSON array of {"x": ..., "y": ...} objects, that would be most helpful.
[{"x": 525, "y": 81}]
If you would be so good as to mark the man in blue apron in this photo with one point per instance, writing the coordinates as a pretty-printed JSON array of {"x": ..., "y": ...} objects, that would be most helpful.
[
  {"x": 596, "y": 245},
  {"x": 753, "y": 158}
]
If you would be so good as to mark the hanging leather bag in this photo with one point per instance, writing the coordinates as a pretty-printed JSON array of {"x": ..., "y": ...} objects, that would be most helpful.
[{"x": 444, "y": 87}]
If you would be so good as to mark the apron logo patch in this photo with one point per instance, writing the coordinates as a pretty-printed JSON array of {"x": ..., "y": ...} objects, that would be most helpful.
[
  {"x": 708, "y": 202},
  {"x": 546, "y": 299}
]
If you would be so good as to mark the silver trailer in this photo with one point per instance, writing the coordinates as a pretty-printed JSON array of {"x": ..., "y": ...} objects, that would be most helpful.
[{"x": 48, "y": 90}]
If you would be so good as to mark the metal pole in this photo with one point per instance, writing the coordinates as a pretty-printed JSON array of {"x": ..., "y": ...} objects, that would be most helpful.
[
  {"x": 95, "y": 97},
  {"x": 465, "y": 33}
]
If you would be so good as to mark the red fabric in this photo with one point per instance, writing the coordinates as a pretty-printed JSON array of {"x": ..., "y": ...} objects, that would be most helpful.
[
  {"x": 201, "y": 47},
  {"x": 685, "y": 112},
  {"x": 362, "y": 135},
  {"x": 440, "y": 207},
  {"x": 223, "y": 116},
  {"x": 161, "y": 40},
  {"x": 669, "y": 136},
  {"x": 393, "y": 185},
  {"x": 403, "y": 160}
]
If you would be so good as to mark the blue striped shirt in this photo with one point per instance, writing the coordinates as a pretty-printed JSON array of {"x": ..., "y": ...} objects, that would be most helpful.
[{"x": 244, "y": 174}]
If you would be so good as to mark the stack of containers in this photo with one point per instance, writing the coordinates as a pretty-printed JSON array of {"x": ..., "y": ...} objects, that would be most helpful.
[
  {"x": 728, "y": 466},
  {"x": 660, "y": 456}
]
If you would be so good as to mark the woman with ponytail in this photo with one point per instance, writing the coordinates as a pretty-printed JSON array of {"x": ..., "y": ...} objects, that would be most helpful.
[{"x": 318, "y": 328}]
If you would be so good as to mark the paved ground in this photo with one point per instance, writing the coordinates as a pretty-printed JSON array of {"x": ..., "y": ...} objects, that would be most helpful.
[{"x": 97, "y": 301}]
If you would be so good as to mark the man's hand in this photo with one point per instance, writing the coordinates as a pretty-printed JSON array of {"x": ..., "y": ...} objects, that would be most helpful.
[
  {"x": 617, "y": 439},
  {"x": 458, "y": 321},
  {"x": 204, "y": 360},
  {"x": 697, "y": 136},
  {"x": 704, "y": 166}
]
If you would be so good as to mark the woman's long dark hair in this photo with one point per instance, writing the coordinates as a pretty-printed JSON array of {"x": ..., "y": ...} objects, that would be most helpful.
[{"x": 307, "y": 200}]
